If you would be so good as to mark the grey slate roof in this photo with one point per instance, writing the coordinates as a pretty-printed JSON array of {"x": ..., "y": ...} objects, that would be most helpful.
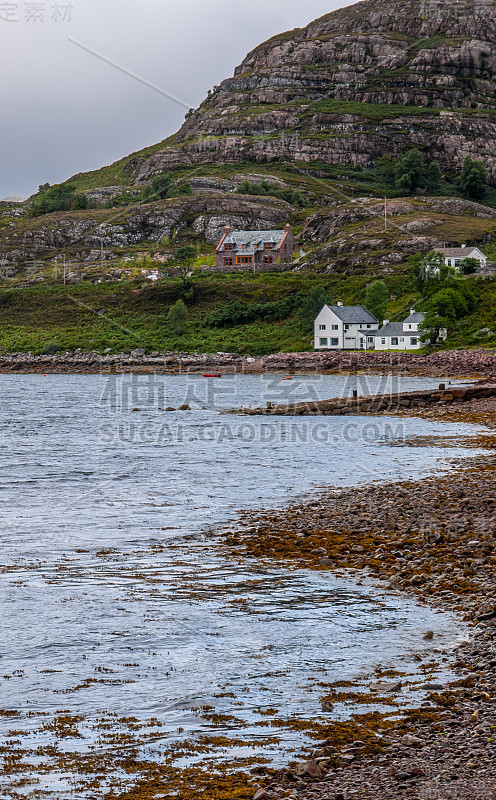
[
  {"x": 353, "y": 315},
  {"x": 393, "y": 329},
  {"x": 417, "y": 316},
  {"x": 369, "y": 332},
  {"x": 254, "y": 240},
  {"x": 457, "y": 252}
]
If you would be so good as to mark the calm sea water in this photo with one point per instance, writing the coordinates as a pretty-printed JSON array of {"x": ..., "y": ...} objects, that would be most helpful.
[{"x": 116, "y": 600}]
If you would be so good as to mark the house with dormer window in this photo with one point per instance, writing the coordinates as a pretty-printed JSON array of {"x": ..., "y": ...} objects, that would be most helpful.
[{"x": 252, "y": 249}]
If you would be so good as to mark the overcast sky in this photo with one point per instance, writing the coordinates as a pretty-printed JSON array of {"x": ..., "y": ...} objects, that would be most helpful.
[{"x": 65, "y": 110}]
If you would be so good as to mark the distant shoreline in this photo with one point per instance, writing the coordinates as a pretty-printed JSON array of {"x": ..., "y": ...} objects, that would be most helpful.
[{"x": 442, "y": 364}]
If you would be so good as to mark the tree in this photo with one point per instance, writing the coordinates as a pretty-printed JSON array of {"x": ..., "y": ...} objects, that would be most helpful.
[
  {"x": 376, "y": 299},
  {"x": 433, "y": 177},
  {"x": 386, "y": 166},
  {"x": 163, "y": 187},
  {"x": 410, "y": 170},
  {"x": 57, "y": 198},
  {"x": 160, "y": 187},
  {"x": 469, "y": 266},
  {"x": 178, "y": 318},
  {"x": 80, "y": 202},
  {"x": 472, "y": 182},
  {"x": 450, "y": 303},
  {"x": 183, "y": 259},
  {"x": 427, "y": 271},
  {"x": 314, "y": 302}
]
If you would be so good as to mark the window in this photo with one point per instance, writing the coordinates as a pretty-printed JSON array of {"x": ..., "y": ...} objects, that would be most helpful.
[
  {"x": 394, "y": 341},
  {"x": 322, "y": 327},
  {"x": 323, "y": 342},
  {"x": 409, "y": 327},
  {"x": 369, "y": 326},
  {"x": 229, "y": 247},
  {"x": 244, "y": 259},
  {"x": 268, "y": 246},
  {"x": 370, "y": 338},
  {"x": 346, "y": 327},
  {"x": 228, "y": 262},
  {"x": 335, "y": 327},
  {"x": 402, "y": 338},
  {"x": 414, "y": 340},
  {"x": 268, "y": 260},
  {"x": 383, "y": 341},
  {"x": 334, "y": 342}
]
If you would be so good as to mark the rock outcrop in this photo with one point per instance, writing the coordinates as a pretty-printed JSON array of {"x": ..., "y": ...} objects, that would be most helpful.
[
  {"x": 368, "y": 79},
  {"x": 85, "y": 231}
]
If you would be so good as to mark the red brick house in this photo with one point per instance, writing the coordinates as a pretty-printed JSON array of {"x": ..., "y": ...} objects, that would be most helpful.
[{"x": 244, "y": 250}]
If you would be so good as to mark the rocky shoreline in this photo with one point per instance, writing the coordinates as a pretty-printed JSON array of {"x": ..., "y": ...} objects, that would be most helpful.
[
  {"x": 435, "y": 540},
  {"x": 442, "y": 363}
]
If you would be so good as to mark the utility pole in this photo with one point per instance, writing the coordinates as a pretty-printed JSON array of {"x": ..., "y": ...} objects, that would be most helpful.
[
  {"x": 64, "y": 269},
  {"x": 385, "y": 214}
]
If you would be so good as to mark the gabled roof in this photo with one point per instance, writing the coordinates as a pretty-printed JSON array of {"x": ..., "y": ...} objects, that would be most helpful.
[
  {"x": 391, "y": 329},
  {"x": 369, "y": 332},
  {"x": 254, "y": 240},
  {"x": 417, "y": 316},
  {"x": 457, "y": 252},
  {"x": 354, "y": 315}
]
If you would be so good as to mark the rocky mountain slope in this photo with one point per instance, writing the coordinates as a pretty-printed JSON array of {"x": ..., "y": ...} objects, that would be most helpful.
[
  {"x": 377, "y": 77},
  {"x": 306, "y": 110}
]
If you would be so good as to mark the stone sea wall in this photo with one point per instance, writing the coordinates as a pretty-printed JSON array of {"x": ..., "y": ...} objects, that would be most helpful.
[{"x": 378, "y": 403}]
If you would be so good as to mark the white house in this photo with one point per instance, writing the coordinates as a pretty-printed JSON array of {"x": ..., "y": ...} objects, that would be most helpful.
[
  {"x": 453, "y": 256},
  {"x": 344, "y": 328},
  {"x": 403, "y": 335}
]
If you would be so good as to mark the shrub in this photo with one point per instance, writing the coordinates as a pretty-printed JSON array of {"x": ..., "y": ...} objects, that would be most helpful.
[
  {"x": 178, "y": 318},
  {"x": 57, "y": 198},
  {"x": 292, "y": 196},
  {"x": 50, "y": 348}
]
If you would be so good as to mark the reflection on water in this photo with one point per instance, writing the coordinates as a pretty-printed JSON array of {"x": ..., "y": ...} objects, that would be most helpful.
[{"x": 117, "y": 604}]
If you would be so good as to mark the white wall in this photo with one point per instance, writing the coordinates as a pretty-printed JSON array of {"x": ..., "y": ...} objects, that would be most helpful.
[
  {"x": 329, "y": 328},
  {"x": 332, "y": 329},
  {"x": 404, "y": 342}
]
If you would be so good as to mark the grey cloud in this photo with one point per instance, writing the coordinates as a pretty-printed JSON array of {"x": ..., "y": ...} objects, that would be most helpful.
[{"x": 66, "y": 111}]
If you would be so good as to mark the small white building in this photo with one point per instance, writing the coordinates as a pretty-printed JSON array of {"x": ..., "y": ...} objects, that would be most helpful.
[
  {"x": 344, "y": 328},
  {"x": 453, "y": 256},
  {"x": 405, "y": 335}
]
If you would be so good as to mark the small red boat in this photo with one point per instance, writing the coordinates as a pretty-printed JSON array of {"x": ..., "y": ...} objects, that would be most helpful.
[{"x": 213, "y": 376}]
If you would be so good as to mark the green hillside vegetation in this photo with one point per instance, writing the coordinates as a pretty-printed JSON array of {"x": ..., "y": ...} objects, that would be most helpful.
[{"x": 231, "y": 313}]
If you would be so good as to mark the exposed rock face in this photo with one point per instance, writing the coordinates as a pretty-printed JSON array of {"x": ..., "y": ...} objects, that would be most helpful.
[
  {"x": 372, "y": 78},
  {"x": 355, "y": 232},
  {"x": 152, "y": 222}
]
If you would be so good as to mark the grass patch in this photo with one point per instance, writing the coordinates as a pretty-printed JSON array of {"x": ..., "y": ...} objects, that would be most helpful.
[{"x": 375, "y": 112}]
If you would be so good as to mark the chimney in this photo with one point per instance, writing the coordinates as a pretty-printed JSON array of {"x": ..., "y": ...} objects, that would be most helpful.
[
  {"x": 412, "y": 311},
  {"x": 463, "y": 246},
  {"x": 386, "y": 322},
  {"x": 227, "y": 229},
  {"x": 340, "y": 303},
  {"x": 288, "y": 227}
]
